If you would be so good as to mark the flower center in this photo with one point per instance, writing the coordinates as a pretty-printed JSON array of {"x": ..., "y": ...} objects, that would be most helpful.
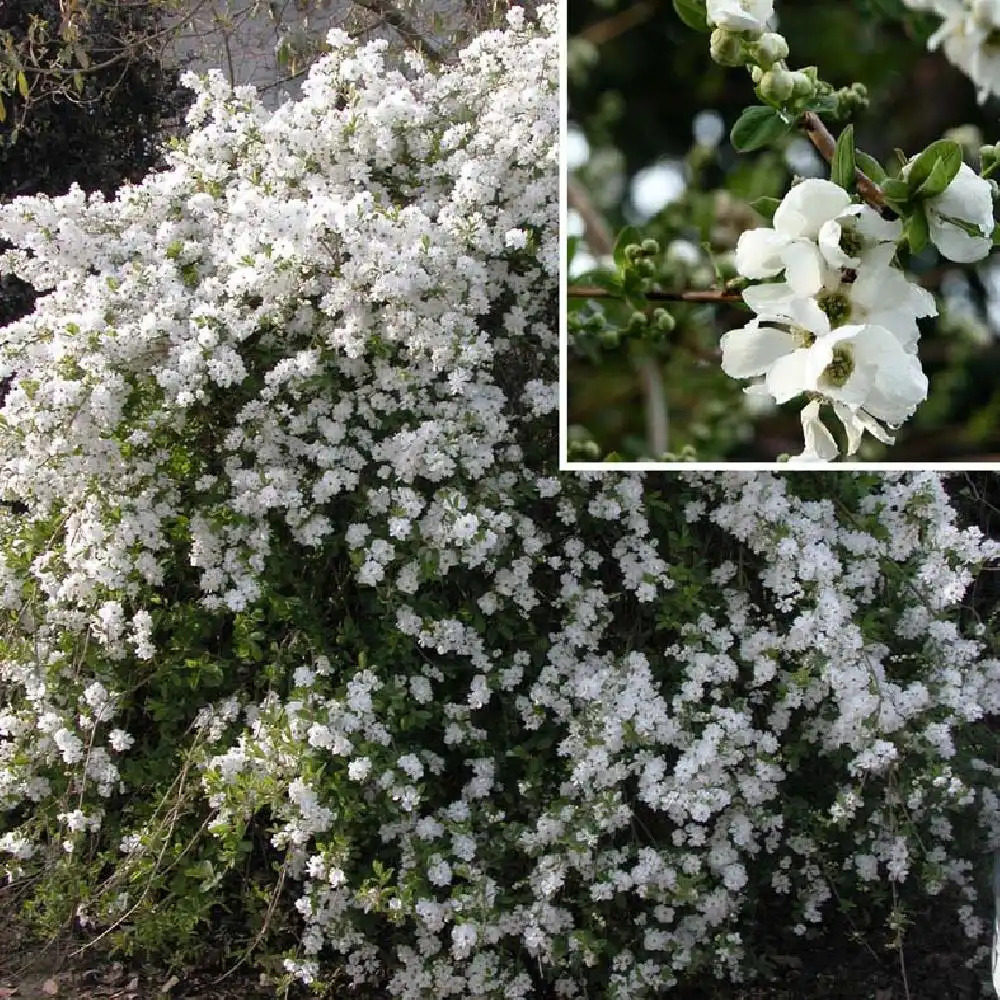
[
  {"x": 837, "y": 307},
  {"x": 803, "y": 337},
  {"x": 840, "y": 369},
  {"x": 850, "y": 241}
]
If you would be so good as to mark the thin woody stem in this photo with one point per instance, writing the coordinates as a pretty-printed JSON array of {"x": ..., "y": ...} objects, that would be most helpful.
[
  {"x": 820, "y": 136},
  {"x": 711, "y": 295}
]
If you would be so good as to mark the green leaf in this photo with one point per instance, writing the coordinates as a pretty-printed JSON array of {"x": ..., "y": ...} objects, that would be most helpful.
[
  {"x": 917, "y": 233},
  {"x": 823, "y": 106},
  {"x": 22, "y": 84},
  {"x": 692, "y": 13},
  {"x": 842, "y": 165},
  {"x": 766, "y": 207},
  {"x": 895, "y": 189},
  {"x": 601, "y": 279},
  {"x": 940, "y": 161},
  {"x": 626, "y": 237},
  {"x": 944, "y": 172},
  {"x": 757, "y": 126},
  {"x": 871, "y": 167},
  {"x": 572, "y": 245}
]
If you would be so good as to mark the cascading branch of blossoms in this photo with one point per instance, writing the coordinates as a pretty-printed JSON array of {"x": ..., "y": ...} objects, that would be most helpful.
[
  {"x": 301, "y": 625},
  {"x": 835, "y": 314}
]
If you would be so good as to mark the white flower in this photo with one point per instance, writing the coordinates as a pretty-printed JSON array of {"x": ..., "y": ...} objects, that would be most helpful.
[
  {"x": 120, "y": 740},
  {"x": 791, "y": 244},
  {"x": 968, "y": 36},
  {"x": 968, "y": 201},
  {"x": 875, "y": 294},
  {"x": 863, "y": 367},
  {"x": 817, "y": 233},
  {"x": 740, "y": 15}
]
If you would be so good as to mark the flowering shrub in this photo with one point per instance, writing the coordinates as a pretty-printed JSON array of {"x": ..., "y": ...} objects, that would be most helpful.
[
  {"x": 827, "y": 279},
  {"x": 301, "y": 625}
]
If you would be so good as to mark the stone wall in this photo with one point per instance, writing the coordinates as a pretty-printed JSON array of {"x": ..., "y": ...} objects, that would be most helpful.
[{"x": 243, "y": 37}]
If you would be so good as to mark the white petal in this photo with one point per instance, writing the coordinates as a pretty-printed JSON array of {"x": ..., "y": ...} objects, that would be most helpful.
[
  {"x": 856, "y": 422},
  {"x": 803, "y": 267},
  {"x": 967, "y": 197},
  {"x": 956, "y": 244},
  {"x": 793, "y": 374},
  {"x": 753, "y": 349},
  {"x": 820, "y": 443},
  {"x": 830, "y": 234},
  {"x": 873, "y": 227},
  {"x": 900, "y": 384},
  {"x": 778, "y": 301},
  {"x": 758, "y": 253},
  {"x": 808, "y": 205}
]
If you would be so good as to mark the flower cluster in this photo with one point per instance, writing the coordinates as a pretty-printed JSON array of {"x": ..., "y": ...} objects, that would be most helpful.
[{"x": 840, "y": 324}]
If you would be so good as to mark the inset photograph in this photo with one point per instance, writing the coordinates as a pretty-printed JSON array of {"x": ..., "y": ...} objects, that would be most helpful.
[{"x": 780, "y": 234}]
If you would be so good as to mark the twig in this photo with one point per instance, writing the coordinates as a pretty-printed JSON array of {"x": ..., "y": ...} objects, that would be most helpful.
[
  {"x": 709, "y": 295},
  {"x": 657, "y": 420},
  {"x": 820, "y": 136},
  {"x": 393, "y": 16},
  {"x": 595, "y": 229},
  {"x": 618, "y": 24}
]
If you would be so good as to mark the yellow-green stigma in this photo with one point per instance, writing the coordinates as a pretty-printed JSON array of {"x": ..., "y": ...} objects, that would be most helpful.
[
  {"x": 837, "y": 307},
  {"x": 838, "y": 371},
  {"x": 803, "y": 337},
  {"x": 850, "y": 241}
]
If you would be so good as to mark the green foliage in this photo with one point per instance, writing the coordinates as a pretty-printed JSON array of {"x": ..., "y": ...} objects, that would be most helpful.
[
  {"x": 844, "y": 160},
  {"x": 758, "y": 126}
]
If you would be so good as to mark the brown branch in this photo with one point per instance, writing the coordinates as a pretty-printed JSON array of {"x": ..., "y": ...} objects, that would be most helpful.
[
  {"x": 619, "y": 24},
  {"x": 595, "y": 229},
  {"x": 395, "y": 17},
  {"x": 819, "y": 135},
  {"x": 710, "y": 295}
]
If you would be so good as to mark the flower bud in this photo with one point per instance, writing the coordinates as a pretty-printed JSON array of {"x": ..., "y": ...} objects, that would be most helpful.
[
  {"x": 771, "y": 48},
  {"x": 726, "y": 48},
  {"x": 650, "y": 247},
  {"x": 802, "y": 86},
  {"x": 663, "y": 321},
  {"x": 756, "y": 74},
  {"x": 636, "y": 322},
  {"x": 777, "y": 85}
]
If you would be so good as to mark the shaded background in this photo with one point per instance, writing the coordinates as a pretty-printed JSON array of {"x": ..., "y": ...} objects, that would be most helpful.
[{"x": 649, "y": 118}]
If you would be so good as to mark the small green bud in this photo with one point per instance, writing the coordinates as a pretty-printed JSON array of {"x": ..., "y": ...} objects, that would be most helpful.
[
  {"x": 632, "y": 252},
  {"x": 644, "y": 267},
  {"x": 663, "y": 321},
  {"x": 988, "y": 155},
  {"x": 771, "y": 48},
  {"x": 650, "y": 248},
  {"x": 802, "y": 86},
  {"x": 610, "y": 337},
  {"x": 756, "y": 74},
  {"x": 585, "y": 451},
  {"x": 636, "y": 322},
  {"x": 777, "y": 85},
  {"x": 726, "y": 48}
]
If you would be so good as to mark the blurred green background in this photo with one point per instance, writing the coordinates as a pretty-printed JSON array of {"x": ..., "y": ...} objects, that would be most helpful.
[{"x": 648, "y": 125}]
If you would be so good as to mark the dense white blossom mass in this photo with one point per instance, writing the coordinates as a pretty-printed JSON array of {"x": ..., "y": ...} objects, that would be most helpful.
[{"x": 293, "y": 397}]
